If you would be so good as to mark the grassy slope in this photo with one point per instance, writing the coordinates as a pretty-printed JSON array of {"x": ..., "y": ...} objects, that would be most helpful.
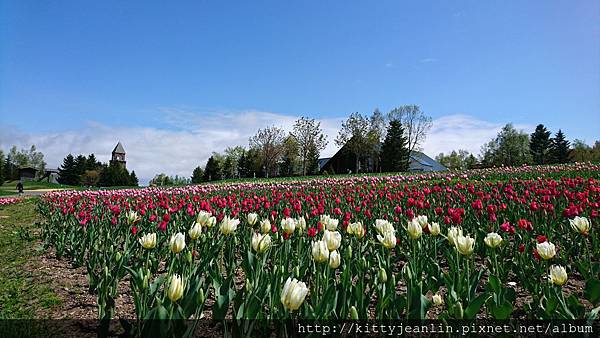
[{"x": 22, "y": 294}]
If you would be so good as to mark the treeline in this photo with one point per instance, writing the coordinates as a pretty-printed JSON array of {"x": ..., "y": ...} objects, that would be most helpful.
[
  {"x": 271, "y": 153},
  {"x": 378, "y": 142},
  {"x": 512, "y": 147},
  {"x": 88, "y": 171},
  {"x": 15, "y": 159}
]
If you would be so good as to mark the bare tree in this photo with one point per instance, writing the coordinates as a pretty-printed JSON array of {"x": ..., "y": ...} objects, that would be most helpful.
[
  {"x": 416, "y": 124},
  {"x": 269, "y": 142},
  {"x": 310, "y": 139}
]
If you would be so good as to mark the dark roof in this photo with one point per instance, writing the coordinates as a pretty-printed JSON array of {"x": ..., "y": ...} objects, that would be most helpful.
[
  {"x": 119, "y": 149},
  {"x": 323, "y": 162},
  {"x": 427, "y": 161}
]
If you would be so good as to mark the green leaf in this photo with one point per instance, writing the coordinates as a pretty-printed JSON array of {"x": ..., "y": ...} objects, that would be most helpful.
[
  {"x": 494, "y": 283},
  {"x": 503, "y": 311},
  {"x": 473, "y": 307},
  {"x": 592, "y": 291}
]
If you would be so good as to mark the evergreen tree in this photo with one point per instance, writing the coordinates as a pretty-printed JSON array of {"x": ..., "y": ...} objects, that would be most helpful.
[
  {"x": 67, "y": 173},
  {"x": 80, "y": 166},
  {"x": 394, "y": 151},
  {"x": 9, "y": 169},
  {"x": 133, "y": 180},
  {"x": 197, "y": 175},
  {"x": 312, "y": 167},
  {"x": 560, "y": 148},
  {"x": 1, "y": 167},
  {"x": 92, "y": 163},
  {"x": 540, "y": 145},
  {"x": 212, "y": 171}
]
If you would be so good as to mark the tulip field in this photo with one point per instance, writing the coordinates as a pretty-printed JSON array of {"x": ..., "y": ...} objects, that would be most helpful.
[{"x": 496, "y": 243}]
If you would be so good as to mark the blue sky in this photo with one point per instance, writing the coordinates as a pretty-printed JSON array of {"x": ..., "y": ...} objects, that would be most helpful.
[{"x": 110, "y": 69}]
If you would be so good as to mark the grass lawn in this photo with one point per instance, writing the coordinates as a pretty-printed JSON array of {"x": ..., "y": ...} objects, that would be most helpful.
[
  {"x": 22, "y": 293},
  {"x": 32, "y": 185}
]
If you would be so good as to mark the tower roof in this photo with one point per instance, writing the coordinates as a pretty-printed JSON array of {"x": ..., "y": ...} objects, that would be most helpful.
[{"x": 119, "y": 149}]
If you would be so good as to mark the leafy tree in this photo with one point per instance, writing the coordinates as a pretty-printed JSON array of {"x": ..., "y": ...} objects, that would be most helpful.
[
  {"x": 510, "y": 148},
  {"x": 269, "y": 142},
  {"x": 26, "y": 158},
  {"x": 394, "y": 151},
  {"x": 9, "y": 169},
  {"x": 67, "y": 173},
  {"x": 415, "y": 123},
  {"x": 290, "y": 157},
  {"x": 90, "y": 178},
  {"x": 540, "y": 145},
  {"x": 80, "y": 165},
  {"x": 231, "y": 161},
  {"x": 197, "y": 175},
  {"x": 310, "y": 139},
  {"x": 580, "y": 151},
  {"x": 133, "y": 180},
  {"x": 560, "y": 148},
  {"x": 354, "y": 135},
  {"x": 249, "y": 163},
  {"x": 457, "y": 160}
]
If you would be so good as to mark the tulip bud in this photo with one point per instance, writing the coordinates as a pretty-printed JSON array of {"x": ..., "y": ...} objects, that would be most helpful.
[
  {"x": 200, "y": 296},
  {"x": 363, "y": 260},
  {"x": 382, "y": 275},
  {"x": 177, "y": 242},
  {"x": 353, "y": 313},
  {"x": 349, "y": 252},
  {"x": 105, "y": 271},
  {"x": 437, "y": 299},
  {"x": 248, "y": 285},
  {"x": 458, "y": 310},
  {"x": 118, "y": 256},
  {"x": 145, "y": 282},
  {"x": 175, "y": 290},
  {"x": 297, "y": 271},
  {"x": 188, "y": 257}
]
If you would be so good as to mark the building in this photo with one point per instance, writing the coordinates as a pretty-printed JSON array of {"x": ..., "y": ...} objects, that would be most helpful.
[
  {"x": 27, "y": 173},
  {"x": 344, "y": 162},
  {"x": 118, "y": 155}
]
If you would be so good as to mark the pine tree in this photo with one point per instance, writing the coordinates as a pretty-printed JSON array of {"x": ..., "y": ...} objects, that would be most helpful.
[
  {"x": 540, "y": 145},
  {"x": 394, "y": 151},
  {"x": 560, "y": 148},
  {"x": 67, "y": 173},
  {"x": 212, "y": 171},
  {"x": 92, "y": 163},
  {"x": 80, "y": 166},
  {"x": 133, "y": 180},
  {"x": 1, "y": 167},
  {"x": 197, "y": 175}
]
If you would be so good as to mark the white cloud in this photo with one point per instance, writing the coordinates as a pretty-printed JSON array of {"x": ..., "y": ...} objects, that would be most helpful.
[
  {"x": 453, "y": 132},
  {"x": 190, "y": 137}
]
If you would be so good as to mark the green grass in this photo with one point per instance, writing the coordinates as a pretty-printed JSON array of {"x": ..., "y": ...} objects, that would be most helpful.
[
  {"x": 32, "y": 185},
  {"x": 22, "y": 293}
]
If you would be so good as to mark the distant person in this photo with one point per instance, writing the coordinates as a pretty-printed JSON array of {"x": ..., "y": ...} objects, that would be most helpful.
[{"x": 20, "y": 187}]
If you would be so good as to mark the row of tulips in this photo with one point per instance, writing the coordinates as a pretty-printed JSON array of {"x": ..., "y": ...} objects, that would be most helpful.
[{"x": 373, "y": 247}]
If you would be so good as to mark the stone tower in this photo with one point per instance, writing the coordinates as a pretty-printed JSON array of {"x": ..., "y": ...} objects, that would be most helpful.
[{"x": 118, "y": 155}]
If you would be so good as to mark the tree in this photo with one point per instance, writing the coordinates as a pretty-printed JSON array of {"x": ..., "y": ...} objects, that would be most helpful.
[
  {"x": 1, "y": 167},
  {"x": 269, "y": 142},
  {"x": 394, "y": 151},
  {"x": 67, "y": 173},
  {"x": 9, "y": 172},
  {"x": 231, "y": 161},
  {"x": 580, "y": 151},
  {"x": 249, "y": 163},
  {"x": 510, "y": 147},
  {"x": 310, "y": 139},
  {"x": 457, "y": 160},
  {"x": 90, "y": 178},
  {"x": 197, "y": 175},
  {"x": 416, "y": 124},
  {"x": 92, "y": 163},
  {"x": 133, "y": 180},
  {"x": 212, "y": 171},
  {"x": 354, "y": 136},
  {"x": 25, "y": 158},
  {"x": 539, "y": 145},
  {"x": 289, "y": 158},
  {"x": 114, "y": 174},
  {"x": 560, "y": 148},
  {"x": 80, "y": 165}
]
